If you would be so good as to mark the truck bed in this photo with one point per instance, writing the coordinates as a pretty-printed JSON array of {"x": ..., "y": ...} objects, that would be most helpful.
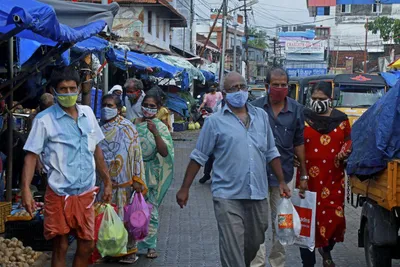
[{"x": 384, "y": 188}]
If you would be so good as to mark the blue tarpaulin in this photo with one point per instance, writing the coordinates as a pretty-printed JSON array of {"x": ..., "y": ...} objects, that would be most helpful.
[
  {"x": 376, "y": 136},
  {"x": 177, "y": 104},
  {"x": 39, "y": 23},
  {"x": 91, "y": 45},
  {"x": 390, "y": 78},
  {"x": 117, "y": 57},
  {"x": 210, "y": 77}
]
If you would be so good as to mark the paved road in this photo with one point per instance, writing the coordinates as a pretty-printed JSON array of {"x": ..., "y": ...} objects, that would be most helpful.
[{"x": 189, "y": 237}]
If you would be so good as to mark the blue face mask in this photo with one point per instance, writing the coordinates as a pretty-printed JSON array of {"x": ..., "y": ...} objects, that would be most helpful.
[
  {"x": 108, "y": 113},
  {"x": 238, "y": 99}
]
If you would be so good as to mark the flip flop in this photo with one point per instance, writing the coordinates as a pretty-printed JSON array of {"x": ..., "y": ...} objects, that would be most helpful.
[
  {"x": 129, "y": 260},
  {"x": 151, "y": 254}
]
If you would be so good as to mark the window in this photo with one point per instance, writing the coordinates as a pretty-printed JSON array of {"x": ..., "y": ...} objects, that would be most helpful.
[
  {"x": 149, "y": 21},
  {"x": 345, "y": 8},
  {"x": 158, "y": 26},
  {"x": 376, "y": 8},
  {"x": 165, "y": 31},
  {"x": 323, "y": 11},
  {"x": 322, "y": 32}
]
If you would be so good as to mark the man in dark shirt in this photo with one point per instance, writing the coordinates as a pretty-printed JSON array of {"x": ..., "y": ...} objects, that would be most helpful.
[{"x": 287, "y": 122}]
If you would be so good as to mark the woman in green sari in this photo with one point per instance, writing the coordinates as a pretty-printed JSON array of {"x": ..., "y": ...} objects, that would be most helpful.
[
  {"x": 158, "y": 157},
  {"x": 123, "y": 157}
]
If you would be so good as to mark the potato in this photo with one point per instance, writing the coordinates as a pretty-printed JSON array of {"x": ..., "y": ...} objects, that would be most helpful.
[
  {"x": 26, "y": 264},
  {"x": 20, "y": 244},
  {"x": 17, "y": 252},
  {"x": 1, "y": 239},
  {"x": 13, "y": 259},
  {"x": 21, "y": 258},
  {"x": 14, "y": 239},
  {"x": 31, "y": 261}
]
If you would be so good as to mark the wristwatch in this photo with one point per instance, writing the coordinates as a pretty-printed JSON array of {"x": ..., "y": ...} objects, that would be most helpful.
[{"x": 304, "y": 178}]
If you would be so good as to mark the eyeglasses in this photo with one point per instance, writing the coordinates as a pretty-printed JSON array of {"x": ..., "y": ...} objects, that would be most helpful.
[
  {"x": 145, "y": 105},
  {"x": 237, "y": 87}
]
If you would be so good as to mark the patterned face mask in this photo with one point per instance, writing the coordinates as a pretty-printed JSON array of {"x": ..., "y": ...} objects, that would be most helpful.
[{"x": 320, "y": 106}]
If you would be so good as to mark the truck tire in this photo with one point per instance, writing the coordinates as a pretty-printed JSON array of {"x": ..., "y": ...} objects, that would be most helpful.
[{"x": 376, "y": 256}]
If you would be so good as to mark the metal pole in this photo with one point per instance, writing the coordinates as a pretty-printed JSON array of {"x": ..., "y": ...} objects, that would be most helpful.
[
  {"x": 246, "y": 33},
  {"x": 234, "y": 49},
  {"x": 222, "y": 59},
  {"x": 10, "y": 125},
  {"x": 105, "y": 69},
  {"x": 365, "y": 50},
  {"x": 191, "y": 24}
]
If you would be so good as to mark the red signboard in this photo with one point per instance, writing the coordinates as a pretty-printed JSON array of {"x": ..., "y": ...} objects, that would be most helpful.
[{"x": 320, "y": 3}]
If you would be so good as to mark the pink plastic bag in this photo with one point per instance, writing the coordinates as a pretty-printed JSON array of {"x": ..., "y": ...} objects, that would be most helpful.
[{"x": 137, "y": 217}]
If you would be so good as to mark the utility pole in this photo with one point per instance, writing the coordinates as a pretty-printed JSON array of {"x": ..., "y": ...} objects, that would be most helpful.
[
  {"x": 246, "y": 44},
  {"x": 274, "y": 52},
  {"x": 234, "y": 45},
  {"x": 191, "y": 24},
  {"x": 366, "y": 47},
  {"x": 105, "y": 70},
  {"x": 222, "y": 59}
]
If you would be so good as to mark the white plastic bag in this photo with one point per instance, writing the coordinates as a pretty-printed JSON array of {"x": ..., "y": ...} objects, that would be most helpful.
[
  {"x": 306, "y": 208},
  {"x": 287, "y": 222}
]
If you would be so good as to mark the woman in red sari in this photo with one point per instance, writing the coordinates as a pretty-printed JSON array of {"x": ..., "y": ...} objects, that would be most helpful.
[{"x": 327, "y": 144}]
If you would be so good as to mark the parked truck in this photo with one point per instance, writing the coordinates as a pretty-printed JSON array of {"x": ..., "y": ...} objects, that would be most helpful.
[{"x": 379, "y": 197}]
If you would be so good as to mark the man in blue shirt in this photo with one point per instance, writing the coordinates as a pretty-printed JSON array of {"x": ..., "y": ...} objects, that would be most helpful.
[
  {"x": 242, "y": 142},
  {"x": 287, "y": 122},
  {"x": 68, "y": 135}
]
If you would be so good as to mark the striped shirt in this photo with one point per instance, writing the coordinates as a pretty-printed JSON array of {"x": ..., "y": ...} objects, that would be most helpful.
[{"x": 68, "y": 148}]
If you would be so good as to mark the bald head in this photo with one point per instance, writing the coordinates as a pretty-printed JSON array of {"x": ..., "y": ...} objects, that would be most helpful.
[
  {"x": 232, "y": 79},
  {"x": 46, "y": 101}
]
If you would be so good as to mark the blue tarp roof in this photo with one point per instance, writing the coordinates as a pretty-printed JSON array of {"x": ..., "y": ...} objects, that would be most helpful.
[
  {"x": 40, "y": 23},
  {"x": 376, "y": 136},
  {"x": 210, "y": 77}
]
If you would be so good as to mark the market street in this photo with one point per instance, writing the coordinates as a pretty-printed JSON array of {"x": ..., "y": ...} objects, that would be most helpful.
[{"x": 189, "y": 237}]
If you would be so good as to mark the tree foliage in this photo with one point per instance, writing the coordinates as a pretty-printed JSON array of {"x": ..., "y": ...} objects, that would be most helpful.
[
  {"x": 257, "y": 38},
  {"x": 388, "y": 28}
]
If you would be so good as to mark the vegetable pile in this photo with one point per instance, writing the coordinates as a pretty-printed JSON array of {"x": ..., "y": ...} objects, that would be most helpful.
[{"x": 14, "y": 254}]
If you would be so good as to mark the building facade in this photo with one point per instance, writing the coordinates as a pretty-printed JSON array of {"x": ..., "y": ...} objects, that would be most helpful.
[
  {"x": 342, "y": 24},
  {"x": 146, "y": 25}
]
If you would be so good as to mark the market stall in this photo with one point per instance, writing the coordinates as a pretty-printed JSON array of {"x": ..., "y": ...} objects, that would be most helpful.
[{"x": 24, "y": 28}]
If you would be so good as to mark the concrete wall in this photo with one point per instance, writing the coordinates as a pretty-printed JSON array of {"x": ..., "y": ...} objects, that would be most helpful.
[
  {"x": 131, "y": 23},
  {"x": 180, "y": 34}
]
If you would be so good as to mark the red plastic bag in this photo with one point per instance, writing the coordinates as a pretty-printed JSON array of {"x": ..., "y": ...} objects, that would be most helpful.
[
  {"x": 97, "y": 222},
  {"x": 137, "y": 217}
]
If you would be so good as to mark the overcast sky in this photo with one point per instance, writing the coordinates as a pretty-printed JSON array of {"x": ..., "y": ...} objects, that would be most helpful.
[{"x": 266, "y": 13}]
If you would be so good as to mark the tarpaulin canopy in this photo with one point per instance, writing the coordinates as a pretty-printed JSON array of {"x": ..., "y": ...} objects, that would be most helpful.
[
  {"x": 75, "y": 14},
  {"x": 177, "y": 104},
  {"x": 38, "y": 21},
  {"x": 209, "y": 76},
  {"x": 194, "y": 73},
  {"x": 376, "y": 136},
  {"x": 390, "y": 78}
]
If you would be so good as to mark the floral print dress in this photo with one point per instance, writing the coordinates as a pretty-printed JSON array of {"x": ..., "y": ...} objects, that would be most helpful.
[{"x": 327, "y": 179}]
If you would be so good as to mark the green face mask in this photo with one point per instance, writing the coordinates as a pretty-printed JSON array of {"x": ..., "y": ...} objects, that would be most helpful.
[{"x": 66, "y": 100}]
